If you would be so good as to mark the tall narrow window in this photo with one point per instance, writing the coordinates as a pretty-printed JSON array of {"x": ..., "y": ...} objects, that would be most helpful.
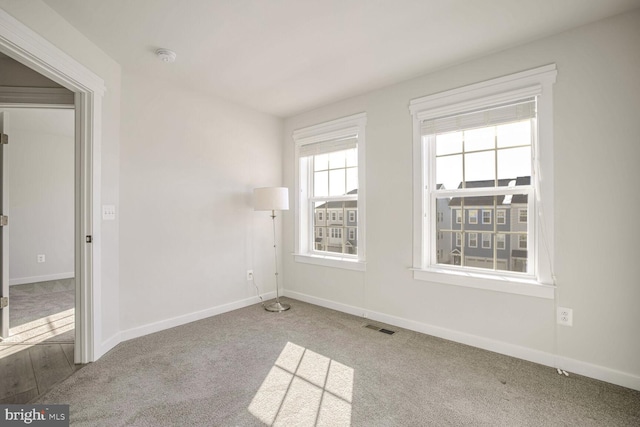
[
  {"x": 330, "y": 179},
  {"x": 486, "y": 216},
  {"x": 480, "y": 153}
]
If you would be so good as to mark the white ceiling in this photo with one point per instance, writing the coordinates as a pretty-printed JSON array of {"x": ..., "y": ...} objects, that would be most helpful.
[{"x": 288, "y": 56}]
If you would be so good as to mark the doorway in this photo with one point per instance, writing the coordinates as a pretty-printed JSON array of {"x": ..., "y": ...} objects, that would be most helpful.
[
  {"x": 39, "y": 187},
  {"x": 30, "y": 49}
]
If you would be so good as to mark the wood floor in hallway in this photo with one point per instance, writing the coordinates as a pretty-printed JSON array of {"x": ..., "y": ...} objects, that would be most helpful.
[
  {"x": 30, "y": 370},
  {"x": 39, "y": 351}
]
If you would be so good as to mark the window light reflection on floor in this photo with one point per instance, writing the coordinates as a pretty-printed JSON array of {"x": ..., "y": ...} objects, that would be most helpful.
[
  {"x": 304, "y": 388},
  {"x": 29, "y": 334}
]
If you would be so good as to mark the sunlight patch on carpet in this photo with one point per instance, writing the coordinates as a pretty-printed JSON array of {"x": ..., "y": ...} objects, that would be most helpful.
[{"x": 304, "y": 388}]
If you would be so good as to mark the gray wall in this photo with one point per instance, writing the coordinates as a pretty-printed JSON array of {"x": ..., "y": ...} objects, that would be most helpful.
[
  {"x": 189, "y": 165},
  {"x": 41, "y": 194},
  {"x": 596, "y": 104}
]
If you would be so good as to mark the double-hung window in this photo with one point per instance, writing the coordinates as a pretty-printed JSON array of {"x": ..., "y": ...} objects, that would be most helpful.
[
  {"x": 484, "y": 148},
  {"x": 330, "y": 184}
]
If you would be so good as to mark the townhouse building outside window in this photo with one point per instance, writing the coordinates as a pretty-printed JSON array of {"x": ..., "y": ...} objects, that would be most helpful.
[
  {"x": 482, "y": 149},
  {"x": 330, "y": 193}
]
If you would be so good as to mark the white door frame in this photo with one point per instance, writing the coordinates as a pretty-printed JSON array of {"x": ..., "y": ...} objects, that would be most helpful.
[{"x": 29, "y": 48}]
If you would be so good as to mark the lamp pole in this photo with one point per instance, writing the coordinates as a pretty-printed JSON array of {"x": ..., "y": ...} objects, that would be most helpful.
[{"x": 276, "y": 306}]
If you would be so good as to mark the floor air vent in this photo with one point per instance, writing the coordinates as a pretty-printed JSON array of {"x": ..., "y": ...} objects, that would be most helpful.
[{"x": 379, "y": 329}]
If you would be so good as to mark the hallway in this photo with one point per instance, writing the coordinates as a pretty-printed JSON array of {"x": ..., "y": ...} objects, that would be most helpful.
[{"x": 39, "y": 351}]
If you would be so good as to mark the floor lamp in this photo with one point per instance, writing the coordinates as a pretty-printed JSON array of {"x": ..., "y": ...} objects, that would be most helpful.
[{"x": 273, "y": 199}]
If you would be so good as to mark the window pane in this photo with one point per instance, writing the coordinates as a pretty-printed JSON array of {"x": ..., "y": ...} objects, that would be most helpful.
[
  {"x": 337, "y": 159},
  {"x": 338, "y": 224},
  {"x": 352, "y": 179},
  {"x": 479, "y": 139},
  {"x": 337, "y": 182},
  {"x": 472, "y": 216},
  {"x": 352, "y": 157},
  {"x": 486, "y": 240},
  {"x": 445, "y": 248},
  {"x": 479, "y": 169},
  {"x": 321, "y": 184},
  {"x": 473, "y": 242},
  {"x": 321, "y": 162},
  {"x": 448, "y": 143},
  {"x": 449, "y": 171},
  {"x": 512, "y": 134},
  {"x": 445, "y": 231},
  {"x": 486, "y": 216},
  {"x": 319, "y": 221},
  {"x": 514, "y": 162}
]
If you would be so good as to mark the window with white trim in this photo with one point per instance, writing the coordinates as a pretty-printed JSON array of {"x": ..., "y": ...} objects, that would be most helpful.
[
  {"x": 458, "y": 214},
  {"x": 486, "y": 216},
  {"x": 522, "y": 215},
  {"x": 481, "y": 145},
  {"x": 352, "y": 233},
  {"x": 522, "y": 241},
  {"x": 330, "y": 178},
  {"x": 473, "y": 240},
  {"x": 486, "y": 240},
  {"x": 473, "y": 216}
]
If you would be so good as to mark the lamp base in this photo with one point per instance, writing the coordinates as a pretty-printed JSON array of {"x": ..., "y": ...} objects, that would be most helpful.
[{"x": 277, "y": 307}]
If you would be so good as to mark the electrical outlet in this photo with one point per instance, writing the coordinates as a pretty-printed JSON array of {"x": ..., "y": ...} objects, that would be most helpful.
[
  {"x": 249, "y": 274},
  {"x": 41, "y": 258},
  {"x": 565, "y": 316}
]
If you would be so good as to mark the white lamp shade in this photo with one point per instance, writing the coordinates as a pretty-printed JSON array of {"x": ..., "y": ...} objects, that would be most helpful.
[{"x": 271, "y": 199}]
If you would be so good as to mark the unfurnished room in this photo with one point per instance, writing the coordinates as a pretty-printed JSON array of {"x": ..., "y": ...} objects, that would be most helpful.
[{"x": 319, "y": 213}]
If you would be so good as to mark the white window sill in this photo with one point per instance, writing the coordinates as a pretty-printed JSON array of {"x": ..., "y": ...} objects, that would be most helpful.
[
  {"x": 330, "y": 261},
  {"x": 508, "y": 284}
]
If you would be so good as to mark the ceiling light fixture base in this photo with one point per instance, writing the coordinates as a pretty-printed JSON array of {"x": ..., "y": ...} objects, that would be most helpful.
[{"x": 166, "y": 55}]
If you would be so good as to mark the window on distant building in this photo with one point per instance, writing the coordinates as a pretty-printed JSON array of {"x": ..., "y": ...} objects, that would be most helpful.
[
  {"x": 473, "y": 216},
  {"x": 486, "y": 240},
  {"x": 486, "y": 216},
  {"x": 486, "y": 145},
  {"x": 522, "y": 215},
  {"x": 330, "y": 175},
  {"x": 522, "y": 241},
  {"x": 458, "y": 239}
]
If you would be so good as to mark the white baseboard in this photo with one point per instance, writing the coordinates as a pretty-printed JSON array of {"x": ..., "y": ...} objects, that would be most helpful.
[
  {"x": 45, "y": 278},
  {"x": 107, "y": 345},
  {"x": 548, "y": 359},
  {"x": 188, "y": 318}
]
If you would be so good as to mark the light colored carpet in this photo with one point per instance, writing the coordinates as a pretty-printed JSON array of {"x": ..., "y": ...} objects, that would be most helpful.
[{"x": 314, "y": 366}]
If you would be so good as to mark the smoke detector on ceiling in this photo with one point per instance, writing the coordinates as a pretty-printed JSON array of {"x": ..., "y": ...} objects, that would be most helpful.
[{"x": 166, "y": 55}]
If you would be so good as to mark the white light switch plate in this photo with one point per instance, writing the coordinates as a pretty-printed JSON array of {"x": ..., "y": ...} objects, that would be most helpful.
[{"x": 108, "y": 212}]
